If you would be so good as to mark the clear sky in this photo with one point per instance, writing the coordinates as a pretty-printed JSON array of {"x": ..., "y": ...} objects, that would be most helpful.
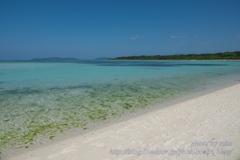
[{"x": 88, "y": 29}]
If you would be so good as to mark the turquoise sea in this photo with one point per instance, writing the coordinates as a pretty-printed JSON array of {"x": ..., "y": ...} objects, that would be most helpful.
[{"x": 41, "y": 100}]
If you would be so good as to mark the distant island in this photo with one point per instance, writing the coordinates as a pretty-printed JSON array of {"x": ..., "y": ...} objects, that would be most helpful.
[
  {"x": 64, "y": 59},
  {"x": 53, "y": 59},
  {"x": 206, "y": 56}
]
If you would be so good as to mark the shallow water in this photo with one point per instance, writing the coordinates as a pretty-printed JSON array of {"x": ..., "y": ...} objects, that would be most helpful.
[{"x": 39, "y": 100}]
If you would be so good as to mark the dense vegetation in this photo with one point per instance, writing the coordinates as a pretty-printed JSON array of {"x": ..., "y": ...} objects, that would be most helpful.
[{"x": 207, "y": 56}]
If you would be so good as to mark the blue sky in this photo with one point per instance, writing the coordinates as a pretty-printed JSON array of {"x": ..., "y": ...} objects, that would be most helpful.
[{"x": 88, "y": 29}]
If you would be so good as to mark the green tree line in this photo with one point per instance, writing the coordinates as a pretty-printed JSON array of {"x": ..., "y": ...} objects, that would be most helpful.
[{"x": 206, "y": 56}]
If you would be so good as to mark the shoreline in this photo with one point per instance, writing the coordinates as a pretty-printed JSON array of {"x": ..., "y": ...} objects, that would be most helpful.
[
  {"x": 216, "y": 60},
  {"x": 178, "y": 126}
]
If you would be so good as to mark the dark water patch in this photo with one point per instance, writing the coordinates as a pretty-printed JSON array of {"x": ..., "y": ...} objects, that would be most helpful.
[
  {"x": 29, "y": 90},
  {"x": 83, "y": 86},
  {"x": 148, "y": 63},
  {"x": 21, "y": 91},
  {"x": 54, "y": 88},
  {"x": 86, "y": 86},
  {"x": 202, "y": 65},
  {"x": 221, "y": 74}
]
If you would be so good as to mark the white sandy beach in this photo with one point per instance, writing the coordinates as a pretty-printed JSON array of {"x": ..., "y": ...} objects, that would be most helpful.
[{"x": 206, "y": 127}]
